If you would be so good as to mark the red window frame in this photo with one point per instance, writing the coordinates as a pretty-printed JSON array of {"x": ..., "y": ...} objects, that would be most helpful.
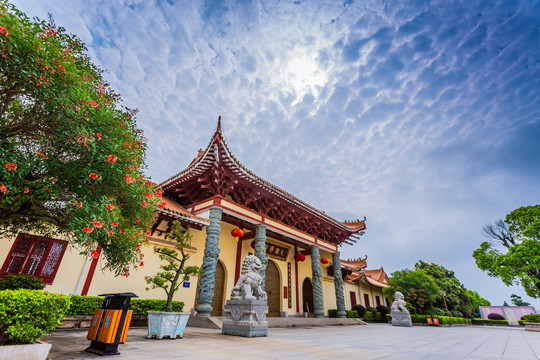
[
  {"x": 353, "y": 298},
  {"x": 35, "y": 255}
]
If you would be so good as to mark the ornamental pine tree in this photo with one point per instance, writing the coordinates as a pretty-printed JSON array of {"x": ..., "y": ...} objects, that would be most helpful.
[
  {"x": 71, "y": 156},
  {"x": 174, "y": 271}
]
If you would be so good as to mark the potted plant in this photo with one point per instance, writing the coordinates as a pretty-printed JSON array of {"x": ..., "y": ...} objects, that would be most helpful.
[{"x": 168, "y": 323}]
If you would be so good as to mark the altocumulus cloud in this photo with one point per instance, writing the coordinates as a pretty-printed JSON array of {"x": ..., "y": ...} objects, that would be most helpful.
[{"x": 421, "y": 115}]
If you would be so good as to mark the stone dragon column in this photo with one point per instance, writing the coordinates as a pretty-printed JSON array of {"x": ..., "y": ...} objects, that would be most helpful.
[
  {"x": 338, "y": 284},
  {"x": 210, "y": 259},
  {"x": 260, "y": 250},
  {"x": 317, "y": 281}
]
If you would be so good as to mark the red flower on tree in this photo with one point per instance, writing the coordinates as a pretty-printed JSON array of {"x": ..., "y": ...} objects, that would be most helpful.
[
  {"x": 11, "y": 166},
  {"x": 93, "y": 176},
  {"x": 110, "y": 207},
  {"x": 114, "y": 224},
  {"x": 97, "y": 224},
  {"x": 99, "y": 135},
  {"x": 88, "y": 229},
  {"x": 94, "y": 254},
  {"x": 162, "y": 205},
  {"x": 3, "y": 188},
  {"x": 112, "y": 159}
]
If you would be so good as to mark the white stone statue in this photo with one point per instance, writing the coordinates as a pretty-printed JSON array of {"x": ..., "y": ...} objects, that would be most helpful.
[
  {"x": 399, "y": 303},
  {"x": 248, "y": 285}
]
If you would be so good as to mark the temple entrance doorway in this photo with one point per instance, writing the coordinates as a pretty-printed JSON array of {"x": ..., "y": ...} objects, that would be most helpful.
[
  {"x": 272, "y": 287},
  {"x": 307, "y": 296}
]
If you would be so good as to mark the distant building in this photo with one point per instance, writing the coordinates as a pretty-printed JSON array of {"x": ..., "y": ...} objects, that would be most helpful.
[
  {"x": 510, "y": 313},
  {"x": 364, "y": 286}
]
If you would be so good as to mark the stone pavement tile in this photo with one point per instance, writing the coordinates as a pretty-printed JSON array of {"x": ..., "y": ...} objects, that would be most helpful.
[{"x": 372, "y": 342}]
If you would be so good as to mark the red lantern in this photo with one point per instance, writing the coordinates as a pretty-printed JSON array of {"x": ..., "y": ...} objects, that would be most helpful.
[
  {"x": 299, "y": 257},
  {"x": 237, "y": 233},
  {"x": 325, "y": 261}
]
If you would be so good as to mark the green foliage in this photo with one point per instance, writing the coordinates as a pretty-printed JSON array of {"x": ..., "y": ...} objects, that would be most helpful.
[
  {"x": 142, "y": 306},
  {"x": 516, "y": 300},
  {"x": 71, "y": 157},
  {"x": 169, "y": 279},
  {"x": 531, "y": 318},
  {"x": 360, "y": 309},
  {"x": 477, "y": 300},
  {"x": 432, "y": 310},
  {"x": 351, "y": 314},
  {"x": 418, "y": 288},
  {"x": 16, "y": 282},
  {"x": 27, "y": 315},
  {"x": 443, "y": 320},
  {"x": 84, "y": 305},
  {"x": 489, "y": 322},
  {"x": 457, "y": 299},
  {"x": 519, "y": 262}
]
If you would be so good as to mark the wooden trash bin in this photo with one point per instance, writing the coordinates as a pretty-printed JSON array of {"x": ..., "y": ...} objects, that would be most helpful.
[{"x": 110, "y": 324}]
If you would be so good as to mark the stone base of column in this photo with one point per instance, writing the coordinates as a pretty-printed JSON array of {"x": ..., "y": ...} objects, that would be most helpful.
[
  {"x": 245, "y": 318},
  {"x": 341, "y": 314},
  {"x": 203, "y": 309},
  {"x": 318, "y": 313}
]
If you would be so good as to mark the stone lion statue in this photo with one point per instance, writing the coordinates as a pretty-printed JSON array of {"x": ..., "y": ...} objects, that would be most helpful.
[
  {"x": 399, "y": 303},
  {"x": 248, "y": 285}
]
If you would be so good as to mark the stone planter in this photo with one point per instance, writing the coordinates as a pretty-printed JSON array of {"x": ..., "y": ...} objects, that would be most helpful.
[
  {"x": 532, "y": 326},
  {"x": 171, "y": 324},
  {"x": 36, "y": 351}
]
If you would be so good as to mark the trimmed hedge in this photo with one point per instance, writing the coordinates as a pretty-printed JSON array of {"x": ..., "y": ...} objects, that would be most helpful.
[
  {"x": 21, "y": 281},
  {"x": 85, "y": 305},
  {"x": 531, "y": 318},
  {"x": 351, "y": 314},
  {"x": 360, "y": 309},
  {"x": 490, "y": 322},
  {"x": 27, "y": 315},
  {"x": 443, "y": 320}
]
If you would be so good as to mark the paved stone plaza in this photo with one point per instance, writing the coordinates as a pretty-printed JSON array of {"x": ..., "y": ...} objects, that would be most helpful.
[{"x": 375, "y": 341}]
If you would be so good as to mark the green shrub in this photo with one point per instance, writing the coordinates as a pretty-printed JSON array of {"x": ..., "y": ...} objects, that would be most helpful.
[
  {"x": 351, "y": 314},
  {"x": 371, "y": 308},
  {"x": 531, "y": 318},
  {"x": 360, "y": 309},
  {"x": 419, "y": 319},
  {"x": 85, "y": 305},
  {"x": 16, "y": 282},
  {"x": 142, "y": 306},
  {"x": 27, "y": 315},
  {"x": 489, "y": 322},
  {"x": 521, "y": 322},
  {"x": 388, "y": 318}
]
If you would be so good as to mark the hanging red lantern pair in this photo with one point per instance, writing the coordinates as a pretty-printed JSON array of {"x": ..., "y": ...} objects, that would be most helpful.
[
  {"x": 299, "y": 257},
  {"x": 237, "y": 233},
  {"x": 325, "y": 261}
]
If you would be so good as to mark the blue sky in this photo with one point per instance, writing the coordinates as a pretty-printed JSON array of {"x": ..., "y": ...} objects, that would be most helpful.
[{"x": 423, "y": 116}]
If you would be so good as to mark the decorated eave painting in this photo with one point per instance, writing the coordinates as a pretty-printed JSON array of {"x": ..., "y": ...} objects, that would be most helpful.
[{"x": 216, "y": 172}]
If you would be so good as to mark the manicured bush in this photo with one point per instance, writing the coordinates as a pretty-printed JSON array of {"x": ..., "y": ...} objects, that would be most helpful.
[
  {"x": 142, "y": 306},
  {"x": 421, "y": 319},
  {"x": 371, "y": 308},
  {"x": 16, "y": 282},
  {"x": 521, "y": 322},
  {"x": 388, "y": 318},
  {"x": 85, "y": 305},
  {"x": 495, "y": 316},
  {"x": 360, "y": 309},
  {"x": 490, "y": 322},
  {"x": 27, "y": 315},
  {"x": 383, "y": 310},
  {"x": 532, "y": 318},
  {"x": 351, "y": 314}
]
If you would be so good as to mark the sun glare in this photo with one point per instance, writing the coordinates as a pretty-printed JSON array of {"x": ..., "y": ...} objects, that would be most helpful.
[{"x": 303, "y": 75}]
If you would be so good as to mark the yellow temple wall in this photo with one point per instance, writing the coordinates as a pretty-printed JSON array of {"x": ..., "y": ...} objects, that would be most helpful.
[
  {"x": 347, "y": 289},
  {"x": 70, "y": 272}
]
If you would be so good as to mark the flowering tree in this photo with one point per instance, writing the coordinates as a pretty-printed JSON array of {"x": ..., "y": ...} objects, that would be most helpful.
[
  {"x": 418, "y": 288},
  {"x": 71, "y": 156}
]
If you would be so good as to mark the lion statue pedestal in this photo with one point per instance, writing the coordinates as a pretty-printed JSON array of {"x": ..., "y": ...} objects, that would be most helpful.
[
  {"x": 245, "y": 313},
  {"x": 400, "y": 314}
]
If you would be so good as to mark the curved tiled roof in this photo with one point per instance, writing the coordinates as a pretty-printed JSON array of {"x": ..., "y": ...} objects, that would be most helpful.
[
  {"x": 207, "y": 157},
  {"x": 176, "y": 210}
]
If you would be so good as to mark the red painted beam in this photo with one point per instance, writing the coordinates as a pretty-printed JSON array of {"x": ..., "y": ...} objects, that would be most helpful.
[{"x": 91, "y": 272}]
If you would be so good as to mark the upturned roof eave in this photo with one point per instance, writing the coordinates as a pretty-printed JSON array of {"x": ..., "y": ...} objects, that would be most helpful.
[{"x": 199, "y": 164}]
